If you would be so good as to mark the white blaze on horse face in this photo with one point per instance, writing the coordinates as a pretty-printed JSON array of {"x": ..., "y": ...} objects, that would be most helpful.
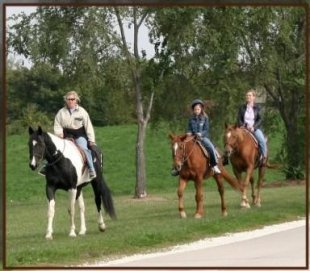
[
  {"x": 33, "y": 161},
  {"x": 228, "y": 134},
  {"x": 175, "y": 147}
]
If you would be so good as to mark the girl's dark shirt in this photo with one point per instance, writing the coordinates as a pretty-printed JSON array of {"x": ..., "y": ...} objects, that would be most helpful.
[{"x": 199, "y": 124}]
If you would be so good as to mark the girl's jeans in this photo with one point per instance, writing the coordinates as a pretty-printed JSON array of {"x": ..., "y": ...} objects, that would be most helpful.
[{"x": 211, "y": 149}]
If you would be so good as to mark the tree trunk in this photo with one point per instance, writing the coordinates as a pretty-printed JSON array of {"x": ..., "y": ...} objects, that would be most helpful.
[
  {"x": 140, "y": 190},
  {"x": 142, "y": 117}
]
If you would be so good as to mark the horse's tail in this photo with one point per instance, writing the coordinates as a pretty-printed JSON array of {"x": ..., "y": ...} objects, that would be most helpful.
[
  {"x": 232, "y": 181},
  {"x": 105, "y": 192},
  {"x": 273, "y": 166},
  {"x": 107, "y": 198}
]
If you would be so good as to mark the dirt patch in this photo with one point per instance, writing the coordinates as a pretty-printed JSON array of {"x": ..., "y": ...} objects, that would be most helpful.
[
  {"x": 148, "y": 198},
  {"x": 285, "y": 183}
]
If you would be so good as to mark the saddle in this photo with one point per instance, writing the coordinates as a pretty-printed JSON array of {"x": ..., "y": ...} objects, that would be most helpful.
[
  {"x": 252, "y": 136},
  {"x": 258, "y": 158},
  {"x": 82, "y": 153},
  {"x": 95, "y": 152},
  {"x": 205, "y": 152}
]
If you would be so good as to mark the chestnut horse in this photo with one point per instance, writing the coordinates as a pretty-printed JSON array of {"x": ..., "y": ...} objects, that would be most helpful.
[
  {"x": 192, "y": 164},
  {"x": 243, "y": 153}
]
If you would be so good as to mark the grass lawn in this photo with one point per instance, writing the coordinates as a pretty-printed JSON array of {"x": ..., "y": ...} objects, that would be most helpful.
[{"x": 143, "y": 225}]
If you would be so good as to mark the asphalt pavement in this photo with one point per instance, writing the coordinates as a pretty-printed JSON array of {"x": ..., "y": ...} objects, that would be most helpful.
[{"x": 280, "y": 247}]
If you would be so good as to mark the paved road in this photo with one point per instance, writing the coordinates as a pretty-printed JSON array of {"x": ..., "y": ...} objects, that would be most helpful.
[{"x": 279, "y": 248}]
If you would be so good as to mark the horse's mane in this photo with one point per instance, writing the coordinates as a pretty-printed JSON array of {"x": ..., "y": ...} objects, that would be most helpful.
[
  {"x": 241, "y": 133},
  {"x": 49, "y": 142}
]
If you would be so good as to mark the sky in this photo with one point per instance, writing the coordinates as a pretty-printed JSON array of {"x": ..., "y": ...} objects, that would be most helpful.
[{"x": 143, "y": 34}]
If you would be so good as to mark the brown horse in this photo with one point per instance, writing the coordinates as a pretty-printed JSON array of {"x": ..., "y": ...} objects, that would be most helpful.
[
  {"x": 243, "y": 153},
  {"x": 192, "y": 164}
]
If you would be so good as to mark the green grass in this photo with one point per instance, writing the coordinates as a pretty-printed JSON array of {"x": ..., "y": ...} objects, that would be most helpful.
[{"x": 142, "y": 225}]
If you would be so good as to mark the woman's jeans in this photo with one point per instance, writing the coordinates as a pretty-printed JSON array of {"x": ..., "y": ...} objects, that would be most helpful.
[
  {"x": 82, "y": 142},
  {"x": 261, "y": 141},
  {"x": 211, "y": 150}
]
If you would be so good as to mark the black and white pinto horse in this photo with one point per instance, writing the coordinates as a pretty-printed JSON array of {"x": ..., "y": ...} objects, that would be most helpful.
[{"x": 65, "y": 170}]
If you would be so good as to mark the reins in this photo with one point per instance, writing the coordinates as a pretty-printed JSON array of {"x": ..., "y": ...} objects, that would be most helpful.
[
  {"x": 185, "y": 158},
  {"x": 235, "y": 147},
  {"x": 59, "y": 157}
]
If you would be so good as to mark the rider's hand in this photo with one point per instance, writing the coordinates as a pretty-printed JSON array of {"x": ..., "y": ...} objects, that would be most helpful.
[{"x": 198, "y": 135}]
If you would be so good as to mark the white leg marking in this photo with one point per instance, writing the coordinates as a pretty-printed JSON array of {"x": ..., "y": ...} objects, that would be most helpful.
[
  {"x": 101, "y": 224},
  {"x": 72, "y": 196},
  {"x": 50, "y": 217},
  {"x": 82, "y": 214}
]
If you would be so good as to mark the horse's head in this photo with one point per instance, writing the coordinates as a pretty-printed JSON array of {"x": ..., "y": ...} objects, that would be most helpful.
[
  {"x": 178, "y": 150},
  {"x": 36, "y": 147},
  {"x": 231, "y": 138}
]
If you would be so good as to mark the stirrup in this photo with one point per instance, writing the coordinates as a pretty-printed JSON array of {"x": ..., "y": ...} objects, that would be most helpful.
[
  {"x": 42, "y": 171},
  {"x": 174, "y": 172}
]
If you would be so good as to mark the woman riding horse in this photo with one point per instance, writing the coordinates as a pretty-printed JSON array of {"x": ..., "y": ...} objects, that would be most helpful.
[
  {"x": 242, "y": 150},
  {"x": 73, "y": 121},
  {"x": 249, "y": 116}
]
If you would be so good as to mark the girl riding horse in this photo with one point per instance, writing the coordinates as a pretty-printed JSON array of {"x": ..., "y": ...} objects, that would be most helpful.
[{"x": 198, "y": 125}]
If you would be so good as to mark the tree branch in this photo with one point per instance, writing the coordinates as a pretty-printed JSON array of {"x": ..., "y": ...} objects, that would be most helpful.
[{"x": 148, "y": 113}]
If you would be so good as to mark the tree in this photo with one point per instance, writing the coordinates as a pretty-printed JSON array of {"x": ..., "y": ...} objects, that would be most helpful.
[
  {"x": 83, "y": 43},
  {"x": 143, "y": 105},
  {"x": 276, "y": 60},
  {"x": 222, "y": 52}
]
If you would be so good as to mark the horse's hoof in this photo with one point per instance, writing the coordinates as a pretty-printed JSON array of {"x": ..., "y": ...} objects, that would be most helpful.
[
  {"x": 245, "y": 205},
  {"x": 183, "y": 215},
  {"x": 48, "y": 237},
  {"x": 101, "y": 227},
  {"x": 257, "y": 204},
  {"x": 224, "y": 213},
  {"x": 82, "y": 232},
  {"x": 198, "y": 215},
  {"x": 72, "y": 234}
]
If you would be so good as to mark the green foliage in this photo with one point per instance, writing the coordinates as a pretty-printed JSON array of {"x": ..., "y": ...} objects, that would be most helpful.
[
  {"x": 294, "y": 173},
  {"x": 30, "y": 116},
  {"x": 214, "y": 53}
]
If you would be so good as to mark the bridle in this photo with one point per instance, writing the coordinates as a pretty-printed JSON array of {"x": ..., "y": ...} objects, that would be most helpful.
[
  {"x": 47, "y": 153},
  {"x": 182, "y": 146},
  {"x": 232, "y": 146}
]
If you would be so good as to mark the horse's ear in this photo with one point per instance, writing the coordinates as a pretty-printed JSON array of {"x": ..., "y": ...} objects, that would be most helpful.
[
  {"x": 30, "y": 130},
  {"x": 182, "y": 137},
  {"x": 226, "y": 125},
  {"x": 235, "y": 126},
  {"x": 171, "y": 136},
  {"x": 40, "y": 130}
]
